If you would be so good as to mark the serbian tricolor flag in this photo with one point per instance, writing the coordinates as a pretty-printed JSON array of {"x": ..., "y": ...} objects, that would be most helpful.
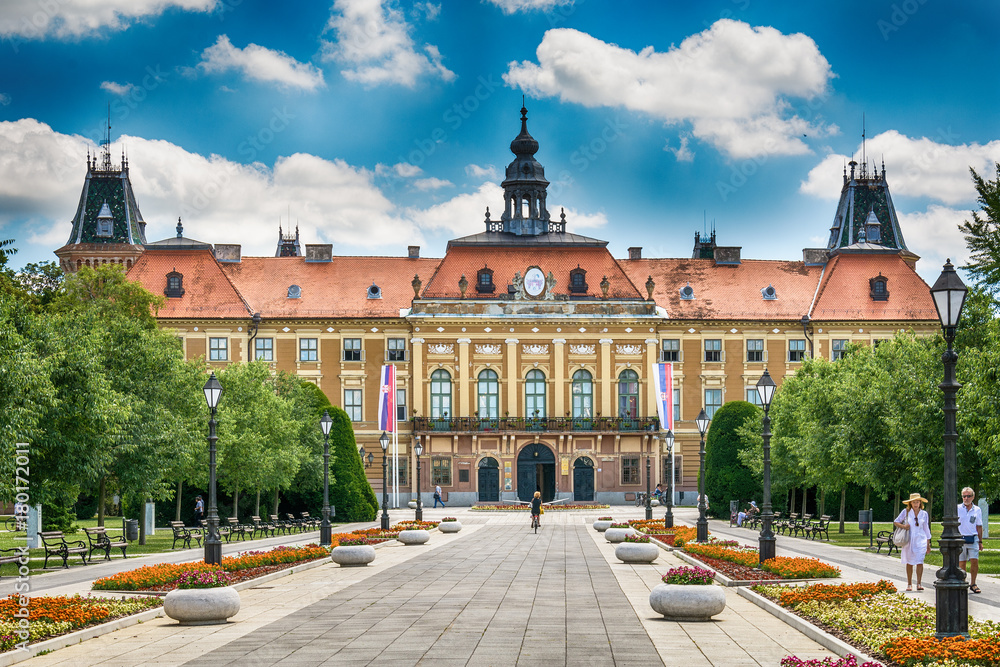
[
  {"x": 663, "y": 385},
  {"x": 387, "y": 400}
]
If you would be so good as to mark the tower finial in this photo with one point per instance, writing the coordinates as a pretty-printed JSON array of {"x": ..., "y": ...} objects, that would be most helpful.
[
  {"x": 864, "y": 157},
  {"x": 180, "y": 227}
]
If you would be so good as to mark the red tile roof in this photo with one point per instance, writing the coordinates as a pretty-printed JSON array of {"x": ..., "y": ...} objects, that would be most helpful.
[
  {"x": 726, "y": 292},
  {"x": 506, "y": 261},
  {"x": 208, "y": 293},
  {"x": 338, "y": 288},
  {"x": 845, "y": 293}
]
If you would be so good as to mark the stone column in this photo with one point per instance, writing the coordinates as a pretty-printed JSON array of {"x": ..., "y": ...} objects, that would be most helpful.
[
  {"x": 417, "y": 377},
  {"x": 512, "y": 378},
  {"x": 606, "y": 373},
  {"x": 464, "y": 385},
  {"x": 558, "y": 379},
  {"x": 651, "y": 399}
]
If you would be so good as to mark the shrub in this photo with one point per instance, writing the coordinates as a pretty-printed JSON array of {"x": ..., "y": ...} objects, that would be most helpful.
[
  {"x": 726, "y": 478},
  {"x": 352, "y": 495}
]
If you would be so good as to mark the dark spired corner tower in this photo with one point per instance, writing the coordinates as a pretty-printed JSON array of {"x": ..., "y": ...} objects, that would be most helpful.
[{"x": 107, "y": 227}]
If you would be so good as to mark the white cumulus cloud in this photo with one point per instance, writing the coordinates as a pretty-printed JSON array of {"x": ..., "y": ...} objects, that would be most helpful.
[
  {"x": 933, "y": 234},
  {"x": 512, "y": 6},
  {"x": 733, "y": 83},
  {"x": 67, "y": 19},
  {"x": 260, "y": 64},
  {"x": 482, "y": 173},
  {"x": 431, "y": 184},
  {"x": 4, "y": 99},
  {"x": 120, "y": 89},
  {"x": 374, "y": 45}
]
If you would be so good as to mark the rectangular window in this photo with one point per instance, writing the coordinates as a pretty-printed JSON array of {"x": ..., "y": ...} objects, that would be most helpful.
[
  {"x": 838, "y": 349},
  {"x": 441, "y": 471},
  {"x": 401, "y": 405},
  {"x": 796, "y": 350},
  {"x": 677, "y": 405},
  {"x": 352, "y": 349},
  {"x": 713, "y": 349},
  {"x": 308, "y": 349},
  {"x": 264, "y": 349},
  {"x": 678, "y": 473},
  {"x": 218, "y": 349},
  {"x": 403, "y": 474},
  {"x": 395, "y": 350},
  {"x": 713, "y": 401},
  {"x": 463, "y": 475},
  {"x": 755, "y": 350},
  {"x": 671, "y": 350},
  {"x": 352, "y": 404},
  {"x": 630, "y": 470},
  {"x": 753, "y": 396}
]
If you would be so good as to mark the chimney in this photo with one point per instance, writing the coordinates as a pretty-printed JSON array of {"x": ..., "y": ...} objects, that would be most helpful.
[
  {"x": 814, "y": 256},
  {"x": 319, "y": 252},
  {"x": 227, "y": 252},
  {"x": 413, "y": 252},
  {"x": 635, "y": 252},
  {"x": 727, "y": 255}
]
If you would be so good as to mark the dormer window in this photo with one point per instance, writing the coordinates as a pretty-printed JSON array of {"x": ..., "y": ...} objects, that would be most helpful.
[
  {"x": 105, "y": 221},
  {"x": 769, "y": 293},
  {"x": 879, "y": 288},
  {"x": 175, "y": 285},
  {"x": 578, "y": 281},
  {"x": 294, "y": 292},
  {"x": 374, "y": 292},
  {"x": 484, "y": 281},
  {"x": 873, "y": 230},
  {"x": 687, "y": 292}
]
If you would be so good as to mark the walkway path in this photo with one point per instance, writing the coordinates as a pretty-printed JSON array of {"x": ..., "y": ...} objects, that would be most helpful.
[{"x": 493, "y": 594}]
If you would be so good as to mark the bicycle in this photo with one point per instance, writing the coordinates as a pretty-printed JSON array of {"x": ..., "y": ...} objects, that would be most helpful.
[
  {"x": 534, "y": 523},
  {"x": 640, "y": 500}
]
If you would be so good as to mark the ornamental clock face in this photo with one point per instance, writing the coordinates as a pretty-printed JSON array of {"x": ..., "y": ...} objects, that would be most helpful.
[{"x": 534, "y": 281}]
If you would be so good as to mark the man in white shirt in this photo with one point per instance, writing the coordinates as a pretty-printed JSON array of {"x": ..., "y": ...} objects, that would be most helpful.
[{"x": 970, "y": 524}]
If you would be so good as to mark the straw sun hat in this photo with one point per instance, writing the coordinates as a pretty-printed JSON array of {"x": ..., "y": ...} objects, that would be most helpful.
[{"x": 915, "y": 496}]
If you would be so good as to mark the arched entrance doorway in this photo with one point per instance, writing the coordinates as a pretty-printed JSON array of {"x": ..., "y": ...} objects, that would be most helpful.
[
  {"x": 536, "y": 471},
  {"x": 583, "y": 479},
  {"x": 489, "y": 480}
]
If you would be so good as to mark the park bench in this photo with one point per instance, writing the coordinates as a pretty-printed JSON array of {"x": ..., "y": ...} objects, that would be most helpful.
[
  {"x": 99, "y": 540},
  {"x": 263, "y": 527},
  {"x": 309, "y": 521},
  {"x": 239, "y": 530},
  {"x": 184, "y": 534},
  {"x": 803, "y": 525},
  {"x": 223, "y": 530},
  {"x": 786, "y": 524},
  {"x": 298, "y": 524},
  {"x": 821, "y": 527},
  {"x": 16, "y": 556},
  {"x": 884, "y": 538},
  {"x": 282, "y": 527},
  {"x": 56, "y": 545}
]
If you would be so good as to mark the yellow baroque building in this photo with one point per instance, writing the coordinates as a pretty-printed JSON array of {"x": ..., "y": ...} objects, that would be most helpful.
[{"x": 523, "y": 356}]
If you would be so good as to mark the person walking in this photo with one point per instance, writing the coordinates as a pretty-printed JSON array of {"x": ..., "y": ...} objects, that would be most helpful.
[
  {"x": 199, "y": 510},
  {"x": 970, "y": 524},
  {"x": 536, "y": 507},
  {"x": 437, "y": 496},
  {"x": 914, "y": 519}
]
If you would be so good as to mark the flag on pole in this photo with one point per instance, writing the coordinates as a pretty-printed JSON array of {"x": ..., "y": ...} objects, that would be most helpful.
[
  {"x": 663, "y": 385},
  {"x": 387, "y": 400}
]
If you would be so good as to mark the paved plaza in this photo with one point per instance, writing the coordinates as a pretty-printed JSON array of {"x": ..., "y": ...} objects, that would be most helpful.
[{"x": 493, "y": 594}]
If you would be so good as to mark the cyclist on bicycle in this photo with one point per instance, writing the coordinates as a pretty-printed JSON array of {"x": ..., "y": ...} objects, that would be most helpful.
[{"x": 536, "y": 507}]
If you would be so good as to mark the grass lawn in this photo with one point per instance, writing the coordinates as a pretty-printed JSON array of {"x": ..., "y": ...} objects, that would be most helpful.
[{"x": 158, "y": 543}]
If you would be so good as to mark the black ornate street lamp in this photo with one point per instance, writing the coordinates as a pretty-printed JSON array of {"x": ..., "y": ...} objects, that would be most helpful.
[
  {"x": 951, "y": 589},
  {"x": 668, "y": 518},
  {"x": 418, "y": 449},
  {"x": 213, "y": 545},
  {"x": 703, "y": 421},
  {"x": 765, "y": 543},
  {"x": 384, "y": 442},
  {"x": 324, "y": 529},
  {"x": 649, "y": 502}
]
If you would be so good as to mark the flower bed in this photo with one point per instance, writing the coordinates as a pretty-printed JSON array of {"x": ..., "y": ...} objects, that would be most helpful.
[
  {"x": 164, "y": 577},
  {"x": 448, "y": 519},
  {"x": 849, "y": 661},
  {"x": 682, "y": 534},
  {"x": 783, "y": 566},
  {"x": 52, "y": 616},
  {"x": 524, "y": 508},
  {"x": 889, "y": 625},
  {"x": 377, "y": 534},
  {"x": 414, "y": 525}
]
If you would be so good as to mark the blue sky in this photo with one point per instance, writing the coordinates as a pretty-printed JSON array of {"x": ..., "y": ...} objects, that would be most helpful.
[{"x": 375, "y": 125}]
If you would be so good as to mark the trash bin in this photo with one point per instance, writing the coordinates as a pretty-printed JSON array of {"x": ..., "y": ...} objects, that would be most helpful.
[
  {"x": 131, "y": 529},
  {"x": 865, "y": 521}
]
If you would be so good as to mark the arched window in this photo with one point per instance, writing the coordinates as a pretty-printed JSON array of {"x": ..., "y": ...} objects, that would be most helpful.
[
  {"x": 534, "y": 395},
  {"x": 583, "y": 394},
  {"x": 628, "y": 394},
  {"x": 489, "y": 395},
  {"x": 440, "y": 394}
]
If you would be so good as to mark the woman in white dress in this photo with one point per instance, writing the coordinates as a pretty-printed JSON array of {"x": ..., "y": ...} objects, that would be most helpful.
[{"x": 914, "y": 519}]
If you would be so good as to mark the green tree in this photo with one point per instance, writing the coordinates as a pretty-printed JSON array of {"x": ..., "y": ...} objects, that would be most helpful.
[
  {"x": 982, "y": 233},
  {"x": 42, "y": 281},
  {"x": 726, "y": 476},
  {"x": 352, "y": 496}
]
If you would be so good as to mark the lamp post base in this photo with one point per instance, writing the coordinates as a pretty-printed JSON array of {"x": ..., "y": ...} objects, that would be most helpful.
[
  {"x": 385, "y": 520},
  {"x": 419, "y": 514},
  {"x": 951, "y": 598},
  {"x": 325, "y": 538},
  {"x": 649, "y": 512},
  {"x": 213, "y": 553},
  {"x": 702, "y": 530},
  {"x": 668, "y": 519},
  {"x": 765, "y": 545}
]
